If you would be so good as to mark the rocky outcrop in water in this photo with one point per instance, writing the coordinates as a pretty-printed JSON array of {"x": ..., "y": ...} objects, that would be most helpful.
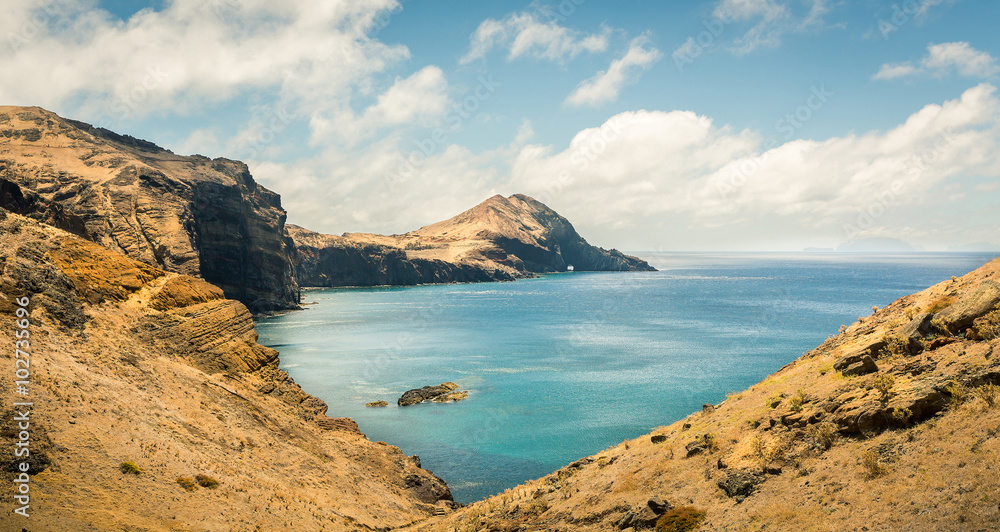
[
  {"x": 191, "y": 215},
  {"x": 442, "y": 393}
]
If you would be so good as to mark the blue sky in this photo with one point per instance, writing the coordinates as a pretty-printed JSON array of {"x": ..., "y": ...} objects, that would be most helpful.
[{"x": 722, "y": 125}]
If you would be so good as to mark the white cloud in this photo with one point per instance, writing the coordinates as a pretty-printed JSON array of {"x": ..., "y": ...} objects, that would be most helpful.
[
  {"x": 943, "y": 60},
  {"x": 605, "y": 86},
  {"x": 191, "y": 53},
  {"x": 523, "y": 34},
  {"x": 772, "y": 20},
  {"x": 680, "y": 168},
  {"x": 420, "y": 99}
]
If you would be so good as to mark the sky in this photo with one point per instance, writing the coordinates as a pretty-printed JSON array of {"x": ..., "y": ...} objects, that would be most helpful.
[{"x": 729, "y": 125}]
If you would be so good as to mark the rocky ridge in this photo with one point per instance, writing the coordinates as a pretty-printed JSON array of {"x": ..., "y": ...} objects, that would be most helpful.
[
  {"x": 501, "y": 239},
  {"x": 191, "y": 215},
  {"x": 133, "y": 365}
]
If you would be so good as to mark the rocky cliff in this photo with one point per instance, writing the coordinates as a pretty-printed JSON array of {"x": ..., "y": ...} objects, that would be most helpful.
[
  {"x": 500, "y": 239},
  {"x": 892, "y": 424},
  {"x": 191, "y": 215},
  {"x": 156, "y": 409}
]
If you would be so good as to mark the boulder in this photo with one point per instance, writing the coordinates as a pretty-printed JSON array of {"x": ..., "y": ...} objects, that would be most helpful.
[
  {"x": 643, "y": 518},
  {"x": 863, "y": 366},
  {"x": 739, "y": 485},
  {"x": 919, "y": 326},
  {"x": 657, "y": 438},
  {"x": 695, "y": 447},
  {"x": 658, "y": 505},
  {"x": 975, "y": 303}
]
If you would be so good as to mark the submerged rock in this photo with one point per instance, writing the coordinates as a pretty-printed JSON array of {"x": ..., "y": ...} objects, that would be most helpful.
[{"x": 376, "y": 404}]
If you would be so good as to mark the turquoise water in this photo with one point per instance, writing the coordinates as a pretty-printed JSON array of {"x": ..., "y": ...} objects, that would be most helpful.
[{"x": 563, "y": 366}]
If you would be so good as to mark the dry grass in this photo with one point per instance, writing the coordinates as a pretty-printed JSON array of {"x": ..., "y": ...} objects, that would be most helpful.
[
  {"x": 940, "y": 304},
  {"x": 871, "y": 467},
  {"x": 683, "y": 519},
  {"x": 989, "y": 394},
  {"x": 187, "y": 483}
]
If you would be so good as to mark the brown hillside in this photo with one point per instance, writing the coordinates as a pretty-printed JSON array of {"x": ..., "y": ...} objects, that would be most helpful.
[
  {"x": 905, "y": 437},
  {"x": 133, "y": 364}
]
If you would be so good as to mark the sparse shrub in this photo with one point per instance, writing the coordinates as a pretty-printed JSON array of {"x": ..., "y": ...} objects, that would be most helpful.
[
  {"x": 986, "y": 327},
  {"x": 821, "y": 435},
  {"x": 683, "y": 519},
  {"x": 795, "y": 403},
  {"x": 825, "y": 368},
  {"x": 958, "y": 392},
  {"x": 843, "y": 329},
  {"x": 989, "y": 394},
  {"x": 874, "y": 309},
  {"x": 871, "y": 465},
  {"x": 953, "y": 278},
  {"x": 186, "y": 483},
  {"x": 884, "y": 383},
  {"x": 130, "y": 468},
  {"x": 895, "y": 346},
  {"x": 910, "y": 313},
  {"x": 206, "y": 481},
  {"x": 902, "y": 415}
]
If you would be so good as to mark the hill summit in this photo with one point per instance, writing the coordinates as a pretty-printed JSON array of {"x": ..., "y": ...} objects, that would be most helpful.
[{"x": 498, "y": 240}]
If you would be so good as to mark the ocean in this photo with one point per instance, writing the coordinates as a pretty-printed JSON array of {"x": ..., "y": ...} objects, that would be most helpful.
[{"x": 566, "y": 365}]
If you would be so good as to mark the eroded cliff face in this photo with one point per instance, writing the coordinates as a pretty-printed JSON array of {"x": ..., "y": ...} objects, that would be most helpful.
[
  {"x": 133, "y": 363},
  {"x": 501, "y": 239},
  {"x": 189, "y": 215}
]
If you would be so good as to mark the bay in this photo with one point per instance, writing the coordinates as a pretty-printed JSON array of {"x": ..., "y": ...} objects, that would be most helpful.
[{"x": 565, "y": 365}]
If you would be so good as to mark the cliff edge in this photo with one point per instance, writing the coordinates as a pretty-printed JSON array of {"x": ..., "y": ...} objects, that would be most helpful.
[{"x": 191, "y": 215}]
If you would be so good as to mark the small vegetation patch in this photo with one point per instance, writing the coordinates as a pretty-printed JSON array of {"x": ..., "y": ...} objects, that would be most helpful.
[
  {"x": 986, "y": 327},
  {"x": 870, "y": 464},
  {"x": 795, "y": 403},
  {"x": 821, "y": 435},
  {"x": 895, "y": 346},
  {"x": 989, "y": 394},
  {"x": 683, "y": 519},
  {"x": 130, "y": 468},
  {"x": 206, "y": 481},
  {"x": 959, "y": 394},
  {"x": 883, "y": 383},
  {"x": 186, "y": 483},
  {"x": 902, "y": 415},
  {"x": 940, "y": 304}
]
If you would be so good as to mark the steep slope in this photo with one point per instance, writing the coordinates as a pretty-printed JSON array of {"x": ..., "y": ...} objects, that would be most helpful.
[
  {"x": 499, "y": 239},
  {"x": 328, "y": 260},
  {"x": 893, "y": 424},
  {"x": 130, "y": 363},
  {"x": 190, "y": 215}
]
